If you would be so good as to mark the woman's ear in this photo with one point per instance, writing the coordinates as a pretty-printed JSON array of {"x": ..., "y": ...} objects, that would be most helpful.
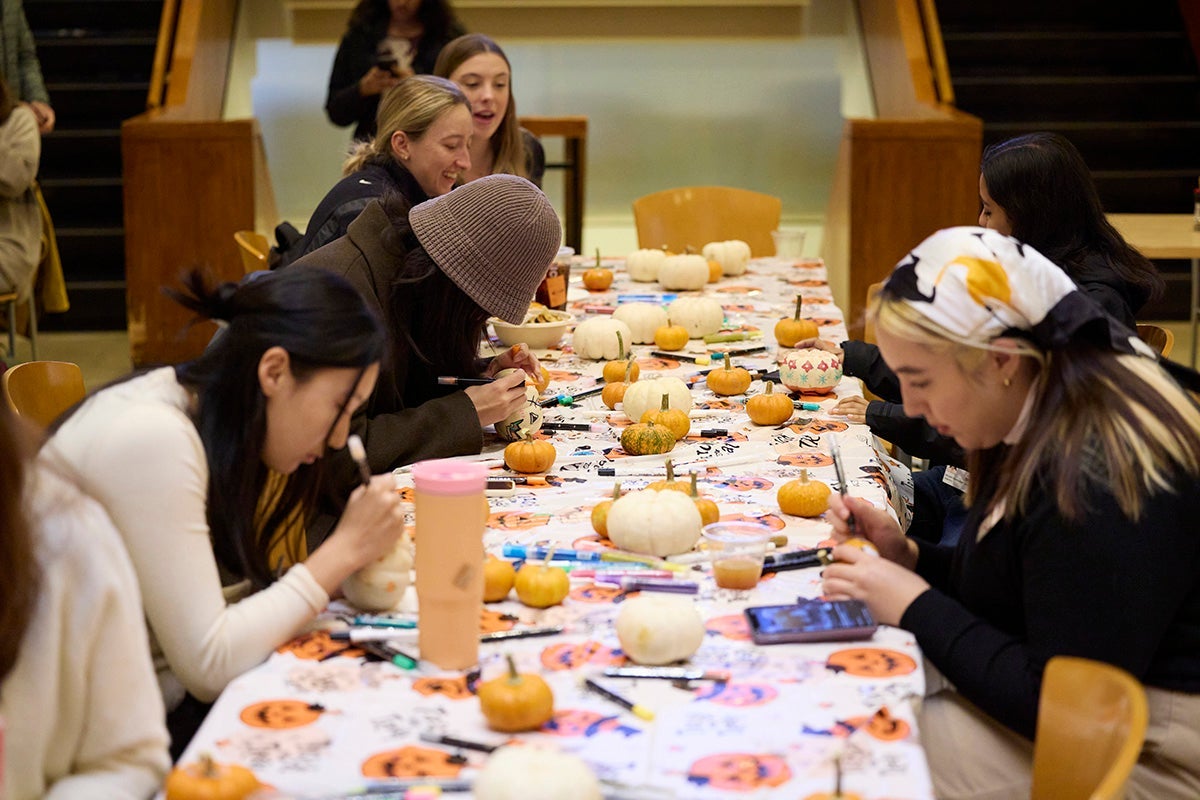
[
  {"x": 1006, "y": 358},
  {"x": 274, "y": 370},
  {"x": 400, "y": 145}
]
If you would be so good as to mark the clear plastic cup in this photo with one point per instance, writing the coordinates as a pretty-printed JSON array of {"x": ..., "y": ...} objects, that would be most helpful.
[
  {"x": 789, "y": 242},
  {"x": 737, "y": 550}
]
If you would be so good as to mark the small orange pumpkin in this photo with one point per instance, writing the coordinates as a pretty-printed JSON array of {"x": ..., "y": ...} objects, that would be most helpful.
[
  {"x": 670, "y": 484},
  {"x": 614, "y": 392},
  {"x": 529, "y": 455},
  {"x": 543, "y": 380},
  {"x": 597, "y": 279},
  {"x": 540, "y": 585},
  {"x": 709, "y": 511},
  {"x": 803, "y": 497},
  {"x": 209, "y": 780},
  {"x": 714, "y": 271},
  {"x": 670, "y": 337},
  {"x": 674, "y": 418},
  {"x": 513, "y": 702},
  {"x": 790, "y": 330},
  {"x": 729, "y": 380},
  {"x": 769, "y": 408},
  {"x": 600, "y": 512},
  {"x": 498, "y": 579},
  {"x": 647, "y": 438},
  {"x": 615, "y": 371}
]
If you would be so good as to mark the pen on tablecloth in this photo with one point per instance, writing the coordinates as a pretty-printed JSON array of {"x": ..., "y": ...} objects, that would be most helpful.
[
  {"x": 450, "y": 380},
  {"x": 454, "y": 741},
  {"x": 843, "y": 489},
  {"x": 360, "y": 635},
  {"x": 634, "y": 558},
  {"x": 401, "y": 660},
  {"x": 521, "y": 633},
  {"x": 569, "y": 399},
  {"x": 743, "y": 352},
  {"x": 735, "y": 336},
  {"x": 359, "y": 454},
  {"x": 698, "y": 359},
  {"x": 668, "y": 673},
  {"x": 708, "y": 433},
  {"x": 631, "y": 583},
  {"x": 646, "y": 298},
  {"x": 805, "y": 406},
  {"x": 621, "y": 571},
  {"x": 525, "y": 551},
  {"x": 380, "y": 621},
  {"x": 638, "y": 710},
  {"x": 571, "y": 426},
  {"x": 385, "y": 785},
  {"x": 801, "y": 559}
]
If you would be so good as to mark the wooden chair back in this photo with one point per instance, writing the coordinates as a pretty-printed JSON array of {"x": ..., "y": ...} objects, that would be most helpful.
[
  {"x": 574, "y": 132},
  {"x": 1090, "y": 728},
  {"x": 693, "y": 216},
  {"x": 253, "y": 247},
  {"x": 1160, "y": 338},
  {"x": 40, "y": 391}
]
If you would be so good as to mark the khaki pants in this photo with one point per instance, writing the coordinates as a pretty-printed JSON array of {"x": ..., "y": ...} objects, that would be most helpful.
[{"x": 973, "y": 756}]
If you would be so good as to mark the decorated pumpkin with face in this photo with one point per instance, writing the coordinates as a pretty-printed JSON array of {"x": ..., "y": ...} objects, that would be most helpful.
[
  {"x": 281, "y": 714},
  {"x": 870, "y": 662}
]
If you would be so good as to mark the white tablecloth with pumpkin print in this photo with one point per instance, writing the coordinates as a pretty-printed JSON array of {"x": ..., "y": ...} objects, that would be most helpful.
[{"x": 332, "y": 719}]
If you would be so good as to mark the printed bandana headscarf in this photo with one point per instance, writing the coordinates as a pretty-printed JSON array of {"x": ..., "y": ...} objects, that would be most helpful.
[{"x": 979, "y": 284}]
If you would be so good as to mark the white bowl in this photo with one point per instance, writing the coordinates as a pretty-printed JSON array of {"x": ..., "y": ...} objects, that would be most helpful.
[{"x": 537, "y": 335}]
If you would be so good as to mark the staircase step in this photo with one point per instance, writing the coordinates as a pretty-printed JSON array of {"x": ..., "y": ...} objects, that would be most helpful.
[
  {"x": 128, "y": 58},
  {"x": 1146, "y": 192},
  {"x": 91, "y": 254},
  {"x": 84, "y": 202},
  {"x": 1115, "y": 144},
  {"x": 97, "y": 105},
  {"x": 82, "y": 153},
  {"x": 95, "y": 306},
  {"x": 1078, "y": 53},
  {"x": 954, "y": 15},
  {"x": 1036, "y": 99},
  {"x": 50, "y": 17}
]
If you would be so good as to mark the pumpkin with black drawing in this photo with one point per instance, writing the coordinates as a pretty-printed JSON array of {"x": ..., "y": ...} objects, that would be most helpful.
[
  {"x": 600, "y": 512},
  {"x": 769, "y": 408},
  {"x": 674, "y": 418},
  {"x": 208, "y": 780},
  {"x": 647, "y": 438},
  {"x": 515, "y": 702},
  {"x": 614, "y": 391},
  {"x": 498, "y": 579},
  {"x": 729, "y": 380},
  {"x": 529, "y": 456},
  {"x": 540, "y": 585},
  {"x": 790, "y": 330},
  {"x": 803, "y": 497}
]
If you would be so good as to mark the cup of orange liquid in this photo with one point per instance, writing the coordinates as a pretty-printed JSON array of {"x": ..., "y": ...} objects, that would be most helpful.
[{"x": 737, "y": 550}]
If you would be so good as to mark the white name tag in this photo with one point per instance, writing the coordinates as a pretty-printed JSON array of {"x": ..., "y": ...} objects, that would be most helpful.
[{"x": 956, "y": 478}]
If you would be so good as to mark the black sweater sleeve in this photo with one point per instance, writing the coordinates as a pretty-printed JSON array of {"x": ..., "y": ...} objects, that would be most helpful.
[
  {"x": 912, "y": 434},
  {"x": 344, "y": 104},
  {"x": 862, "y": 360}
]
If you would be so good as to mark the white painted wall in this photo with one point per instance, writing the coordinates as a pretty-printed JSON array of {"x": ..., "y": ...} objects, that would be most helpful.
[{"x": 759, "y": 114}]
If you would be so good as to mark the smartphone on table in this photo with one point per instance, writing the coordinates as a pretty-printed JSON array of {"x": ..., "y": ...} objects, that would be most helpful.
[{"x": 811, "y": 621}]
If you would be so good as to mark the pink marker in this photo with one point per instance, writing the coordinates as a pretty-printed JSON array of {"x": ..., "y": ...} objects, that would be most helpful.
[{"x": 616, "y": 576}]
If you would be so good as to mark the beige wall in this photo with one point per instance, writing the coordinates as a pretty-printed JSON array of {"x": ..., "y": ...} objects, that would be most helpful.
[{"x": 760, "y": 113}]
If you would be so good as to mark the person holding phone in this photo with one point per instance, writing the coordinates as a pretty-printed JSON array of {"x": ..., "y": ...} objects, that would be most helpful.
[
  {"x": 477, "y": 64},
  {"x": 1080, "y": 539},
  {"x": 179, "y": 457},
  {"x": 385, "y": 42}
]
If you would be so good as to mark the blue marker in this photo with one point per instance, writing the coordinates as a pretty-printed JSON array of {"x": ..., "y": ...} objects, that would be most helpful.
[
  {"x": 806, "y": 406},
  {"x": 645, "y": 298},
  {"x": 522, "y": 551}
]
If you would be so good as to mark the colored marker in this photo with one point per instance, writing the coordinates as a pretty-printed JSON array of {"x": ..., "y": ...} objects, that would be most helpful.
[
  {"x": 524, "y": 551},
  {"x": 646, "y": 298},
  {"x": 361, "y": 635},
  {"x": 569, "y": 399},
  {"x": 378, "y": 621},
  {"x": 521, "y": 633},
  {"x": 639, "y": 584},
  {"x": 450, "y": 380},
  {"x": 638, "y": 710},
  {"x": 401, "y": 660},
  {"x": 668, "y": 673},
  {"x": 736, "y": 336},
  {"x": 700, "y": 359},
  {"x": 359, "y": 453},
  {"x": 621, "y": 571},
  {"x": 454, "y": 741},
  {"x": 806, "y": 406},
  {"x": 570, "y": 426}
]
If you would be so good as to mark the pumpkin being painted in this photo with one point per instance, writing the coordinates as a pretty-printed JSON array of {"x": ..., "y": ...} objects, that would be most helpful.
[
  {"x": 810, "y": 370},
  {"x": 380, "y": 585}
]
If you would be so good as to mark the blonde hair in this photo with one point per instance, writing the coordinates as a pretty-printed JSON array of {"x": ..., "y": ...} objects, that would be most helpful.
[
  {"x": 411, "y": 106},
  {"x": 507, "y": 143},
  {"x": 1103, "y": 421}
]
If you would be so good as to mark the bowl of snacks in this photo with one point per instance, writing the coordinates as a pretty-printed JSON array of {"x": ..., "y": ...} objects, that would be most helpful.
[{"x": 541, "y": 329}]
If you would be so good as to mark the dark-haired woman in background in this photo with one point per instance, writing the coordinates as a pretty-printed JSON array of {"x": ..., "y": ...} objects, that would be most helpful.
[
  {"x": 477, "y": 64},
  {"x": 178, "y": 456},
  {"x": 69, "y": 616},
  {"x": 385, "y": 42}
]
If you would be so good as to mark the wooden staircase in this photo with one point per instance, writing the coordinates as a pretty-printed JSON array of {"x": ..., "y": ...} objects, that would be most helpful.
[
  {"x": 1119, "y": 80},
  {"x": 96, "y": 57}
]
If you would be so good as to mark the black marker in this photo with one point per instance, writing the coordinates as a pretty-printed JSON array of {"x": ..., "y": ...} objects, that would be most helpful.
[{"x": 450, "y": 380}]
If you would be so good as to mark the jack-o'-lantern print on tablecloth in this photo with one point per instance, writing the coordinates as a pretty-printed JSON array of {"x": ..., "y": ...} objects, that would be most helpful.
[
  {"x": 281, "y": 714},
  {"x": 413, "y": 762},
  {"x": 453, "y": 687},
  {"x": 319, "y": 646},
  {"x": 740, "y": 772},
  {"x": 870, "y": 662},
  {"x": 577, "y": 722},
  {"x": 737, "y": 694},
  {"x": 566, "y": 655}
]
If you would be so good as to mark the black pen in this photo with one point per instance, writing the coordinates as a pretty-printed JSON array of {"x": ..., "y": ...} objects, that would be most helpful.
[
  {"x": 453, "y": 741},
  {"x": 521, "y": 633},
  {"x": 679, "y": 356},
  {"x": 746, "y": 351},
  {"x": 638, "y": 710},
  {"x": 843, "y": 490},
  {"x": 569, "y": 426},
  {"x": 450, "y": 380}
]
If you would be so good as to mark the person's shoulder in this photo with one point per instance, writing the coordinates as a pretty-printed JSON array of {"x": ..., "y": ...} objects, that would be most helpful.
[
  {"x": 73, "y": 529},
  {"x": 143, "y": 409}
]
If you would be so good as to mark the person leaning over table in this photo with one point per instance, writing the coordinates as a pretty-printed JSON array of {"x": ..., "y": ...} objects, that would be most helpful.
[
  {"x": 420, "y": 150},
  {"x": 479, "y": 67},
  {"x": 1081, "y": 537},
  {"x": 81, "y": 712},
  {"x": 178, "y": 456},
  {"x": 385, "y": 42},
  {"x": 435, "y": 274}
]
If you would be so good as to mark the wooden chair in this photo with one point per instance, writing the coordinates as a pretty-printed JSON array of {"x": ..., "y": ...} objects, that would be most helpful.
[
  {"x": 254, "y": 248},
  {"x": 40, "y": 391},
  {"x": 573, "y": 130},
  {"x": 1160, "y": 338},
  {"x": 696, "y": 215},
  {"x": 1091, "y": 724}
]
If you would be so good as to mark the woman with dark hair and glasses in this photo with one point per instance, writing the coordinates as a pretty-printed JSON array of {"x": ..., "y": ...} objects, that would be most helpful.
[{"x": 179, "y": 457}]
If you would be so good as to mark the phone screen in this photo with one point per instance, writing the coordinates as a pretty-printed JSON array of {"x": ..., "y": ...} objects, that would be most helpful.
[{"x": 814, "y": 621}]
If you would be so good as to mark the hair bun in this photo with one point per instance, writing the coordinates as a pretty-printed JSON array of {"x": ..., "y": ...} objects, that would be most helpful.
[{"x": 223, "y": 302}]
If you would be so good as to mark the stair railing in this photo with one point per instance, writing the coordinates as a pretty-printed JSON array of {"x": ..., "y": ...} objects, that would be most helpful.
[{"x": 157, "y": 94}]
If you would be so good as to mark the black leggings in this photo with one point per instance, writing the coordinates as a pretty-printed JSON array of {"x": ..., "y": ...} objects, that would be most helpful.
[{"x": 183, "y": 722}]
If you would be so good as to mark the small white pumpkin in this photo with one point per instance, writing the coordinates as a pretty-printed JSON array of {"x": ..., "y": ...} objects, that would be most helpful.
[
  {"x": 686, "y": 272},
  {"x": 646, "y": 395},
  {"x": 733, "y": 255},
  {"x": 380, "y": 585},
  {"x": 700, "y": 315},
  {"x": 809, "y": 370},
  {"x": 655, "y": 523},
  {"x": 596, "y": 338},
  {"x": 535, "y": 772},
  {"x": 642, "y": 265},
  {"x": 643, "y": 319},
  {"x": 525, "y": 422},
  {"x": 659, "y": 629}
]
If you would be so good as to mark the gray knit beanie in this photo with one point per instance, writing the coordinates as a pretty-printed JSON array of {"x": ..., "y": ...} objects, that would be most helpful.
[{"x": 494, "y": 237}]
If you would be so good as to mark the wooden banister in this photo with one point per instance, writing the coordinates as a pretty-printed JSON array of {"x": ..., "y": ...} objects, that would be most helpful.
[
  {"x": 573, "y": 129},
  {"x": 162, "y": 54}
]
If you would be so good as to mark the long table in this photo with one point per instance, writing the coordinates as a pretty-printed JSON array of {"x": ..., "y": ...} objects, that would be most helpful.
[{"x": 333, "y": 719}]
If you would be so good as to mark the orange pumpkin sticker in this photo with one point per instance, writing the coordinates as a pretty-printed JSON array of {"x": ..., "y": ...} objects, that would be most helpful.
[
  {"x": 737, "y": 289},
  {"x": 731, "y": 626},
  {"x": 454, "y": 688},
  {"x": 808, "y": 282},
  {"x": 493, "y": 621},
  {"x": 813, "y": 459},
  {"x": 318, "y": 646},
  {"x": 412, "y": 762},
  {"x": 772, "y": 521},
  {"x": 281, "y": 714},
  {"x": 562, "y": 376},
  {"x": 518, "y": 520},
  {"x": 569, "y": 656},
  {"x": 406, "y": 493},
  {"x": 739, "y": 772},
  {"x": 870, "y": 662},
  {"x": 721, "y": 405},
  {"x": 595, "y": 593}
]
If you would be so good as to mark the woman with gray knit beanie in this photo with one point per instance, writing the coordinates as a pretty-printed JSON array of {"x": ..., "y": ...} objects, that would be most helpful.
[{"x": 435, "y": 273}]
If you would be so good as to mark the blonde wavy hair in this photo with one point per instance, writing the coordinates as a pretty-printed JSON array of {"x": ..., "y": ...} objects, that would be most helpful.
[
  {"x": 1103, "y": 421},
  {"x": 412, "y": 106}
]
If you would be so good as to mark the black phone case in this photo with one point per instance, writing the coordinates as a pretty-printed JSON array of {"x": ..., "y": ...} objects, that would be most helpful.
[{"x": 814, "y": 621}]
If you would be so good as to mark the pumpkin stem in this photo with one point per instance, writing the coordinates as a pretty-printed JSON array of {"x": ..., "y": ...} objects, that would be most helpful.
[
  {"x": 770, "y": 387},
  {"x": 695, "y": 489},
  {"x": 799, "y": 301},
  {"x": 620, "y": 345},
  {"x": 597, "y": 258},
  {"x": 804, "y": 476},
  {"x": 670, "y": 471},
  {"x": 666, "y": 402},
  {"x": 628, "y": 369},
  {"x": 617, "y": 490},
  {"x": 513, "y": 677},
  {"x": 728, "y": 362},
  {"x": 208, "y": 767}
]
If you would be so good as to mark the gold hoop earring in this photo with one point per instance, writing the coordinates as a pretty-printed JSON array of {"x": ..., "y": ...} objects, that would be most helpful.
[{"x": 1007, "y": 382}]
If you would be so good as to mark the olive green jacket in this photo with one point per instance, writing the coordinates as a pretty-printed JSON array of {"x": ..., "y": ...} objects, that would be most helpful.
[{"x": 18, "y": 57}]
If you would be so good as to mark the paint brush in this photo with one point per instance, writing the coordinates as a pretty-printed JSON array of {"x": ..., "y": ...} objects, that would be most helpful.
[{"x": 359, "y": 454}]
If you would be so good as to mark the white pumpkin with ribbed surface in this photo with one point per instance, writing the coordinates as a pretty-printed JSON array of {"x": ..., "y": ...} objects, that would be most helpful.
[
  {"x": 700, "y": 315},
  {"x": 657, "y": 629},
  {"x": 646, "y": 395},
  {"x": 535, "y": 772},
  {"x": 687, "y": 272},
  {"x": 642, "y": 265},
  {"x": 654, "y": 523},
  {"x": 643, "y": 319},
  {"x": 597, "y": 338},
  {"x": 733, "y": 255}
]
